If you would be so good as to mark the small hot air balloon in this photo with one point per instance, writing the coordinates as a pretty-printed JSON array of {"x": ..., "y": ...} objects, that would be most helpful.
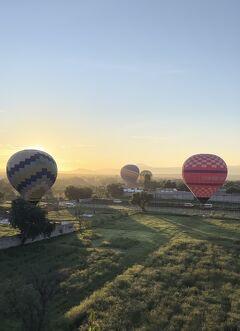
[
  {"x": 145, "y": 175},
  {"x": 130, "y": 173},
  {"x": 204, "y": 174},
  {"x": 31, "y": 173}
]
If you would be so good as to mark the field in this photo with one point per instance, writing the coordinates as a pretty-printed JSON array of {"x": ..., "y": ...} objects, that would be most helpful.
[{"x": 126, "y": 272}]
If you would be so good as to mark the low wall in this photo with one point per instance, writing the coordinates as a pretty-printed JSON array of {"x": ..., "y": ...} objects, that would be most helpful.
[{"x": 14, "y": 241}]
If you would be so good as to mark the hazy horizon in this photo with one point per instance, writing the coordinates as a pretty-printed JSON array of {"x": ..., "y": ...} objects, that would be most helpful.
[{"x": 158, "y": 172}]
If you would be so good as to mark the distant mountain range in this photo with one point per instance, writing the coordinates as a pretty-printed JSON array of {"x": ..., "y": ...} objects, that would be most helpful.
[{"x": 166, "y": 172}]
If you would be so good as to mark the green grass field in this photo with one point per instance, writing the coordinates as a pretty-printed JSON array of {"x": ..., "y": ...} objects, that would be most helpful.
[{"x": 127, "y": 272}]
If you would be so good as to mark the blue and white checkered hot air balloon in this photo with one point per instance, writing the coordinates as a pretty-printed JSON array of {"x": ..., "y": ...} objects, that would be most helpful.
[{"x": 31, "y": 173}]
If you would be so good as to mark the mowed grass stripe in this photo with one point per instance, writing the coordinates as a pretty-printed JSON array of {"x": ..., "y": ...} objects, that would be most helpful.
[{"x": 203, "y": 227}]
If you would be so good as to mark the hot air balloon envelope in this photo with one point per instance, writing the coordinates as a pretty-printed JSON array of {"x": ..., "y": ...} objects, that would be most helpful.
[
  {"x": 130, "y": 173},
  {"x": 145, "y": 175},
  {"x": 204, "y": 174},
  {"x": 31, "y": 173}
]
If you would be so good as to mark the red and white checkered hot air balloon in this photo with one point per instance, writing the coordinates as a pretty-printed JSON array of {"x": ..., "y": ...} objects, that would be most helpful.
[{"x": 204, "y": 174}]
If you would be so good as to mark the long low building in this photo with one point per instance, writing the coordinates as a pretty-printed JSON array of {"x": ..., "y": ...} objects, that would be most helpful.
[{"x": 173, "y": 194}]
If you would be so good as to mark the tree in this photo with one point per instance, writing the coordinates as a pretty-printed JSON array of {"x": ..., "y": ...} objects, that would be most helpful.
[
  {"x": 85, "y": 192},
  {"x": 101, "y": 192},
  {"x": 30, "y": 302},
  {"x": 6, "y": 189},
  {"x": 115, "y": 190},
  {"x": 170, "y": 184},
  {"x": 233, "y": 189},
  {"x": 230, "y": 183},
  {"x": 77, "y": 193},
  {"x": 182, "y": 187},
  {"x": 141, "y": 199},
  {"x": 49, "y": 196},
  {"x": 72, "y": 193},
  {"x": 29, "y": 219},
  {"x": 156, "y": 184},
  {"x": 1, "y": 196}
]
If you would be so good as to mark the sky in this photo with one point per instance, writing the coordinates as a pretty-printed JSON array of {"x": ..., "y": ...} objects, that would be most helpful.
[{"x": 99, "y": 84}]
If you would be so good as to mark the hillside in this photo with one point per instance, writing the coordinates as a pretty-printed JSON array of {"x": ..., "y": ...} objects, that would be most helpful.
[{"x": 127, "y": 272}]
